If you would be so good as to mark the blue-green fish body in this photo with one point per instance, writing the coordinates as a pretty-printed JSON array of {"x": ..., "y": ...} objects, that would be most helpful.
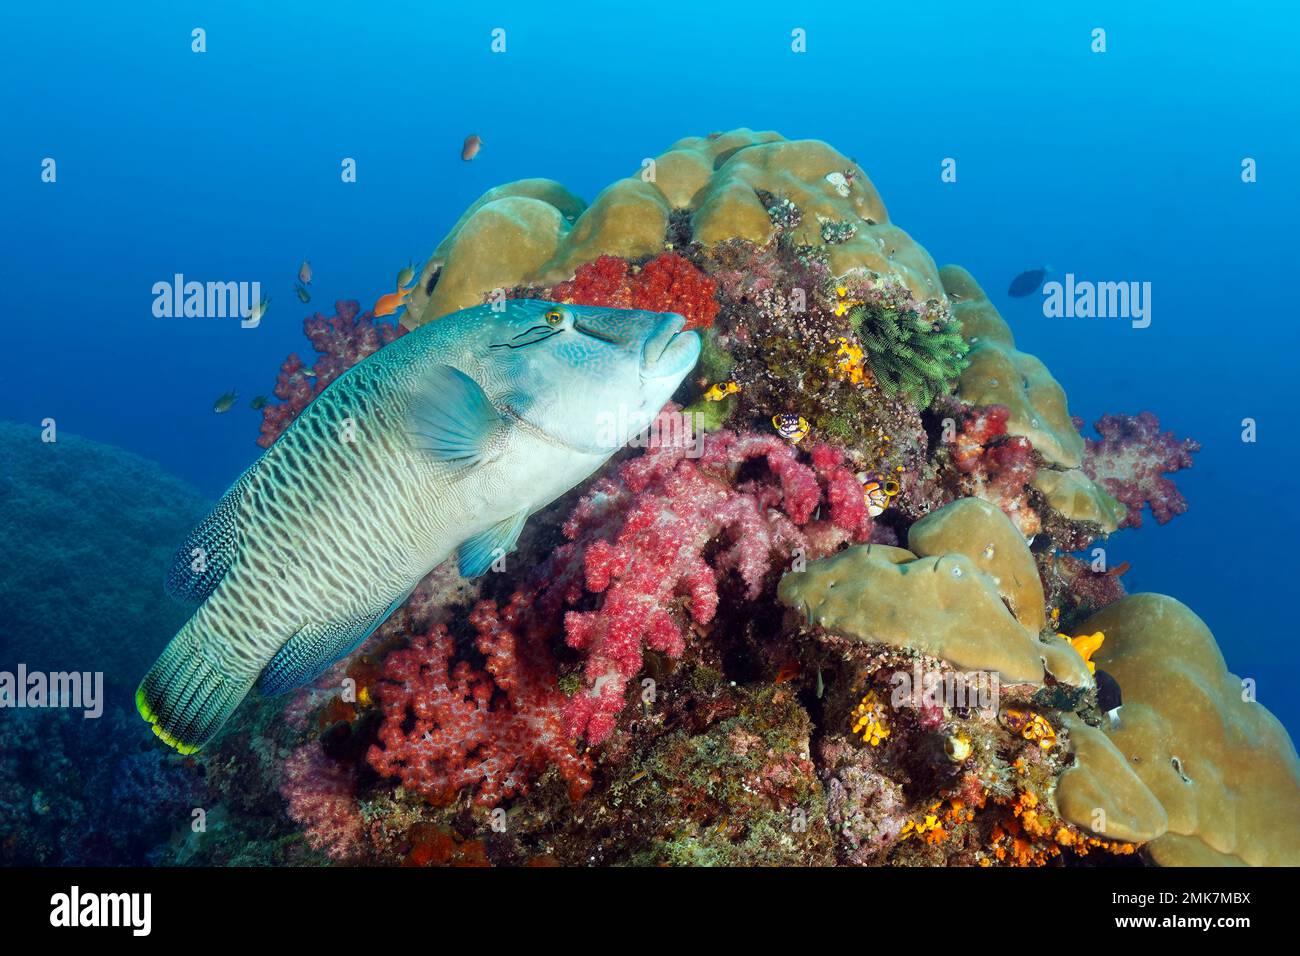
[{"x": 443, "y": 442}]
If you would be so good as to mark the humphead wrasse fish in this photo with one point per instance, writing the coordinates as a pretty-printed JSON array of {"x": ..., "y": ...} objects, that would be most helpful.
[{"x": 442, "y": 442}]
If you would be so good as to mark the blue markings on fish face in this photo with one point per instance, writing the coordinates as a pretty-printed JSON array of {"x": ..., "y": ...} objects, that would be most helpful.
[{"x": 591, "y": 378}]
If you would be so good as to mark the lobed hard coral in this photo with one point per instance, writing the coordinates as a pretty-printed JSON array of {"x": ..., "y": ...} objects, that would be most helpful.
[
  {"x": 341, "y": 341},
  {"x": 1130, "y": 461}
]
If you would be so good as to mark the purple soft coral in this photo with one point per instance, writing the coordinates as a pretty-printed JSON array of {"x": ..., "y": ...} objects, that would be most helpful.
[{"x": 1131, "y": 460}]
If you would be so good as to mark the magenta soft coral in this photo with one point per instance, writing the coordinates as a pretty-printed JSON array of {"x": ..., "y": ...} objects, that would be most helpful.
[
  {"x": 654, "y": 539},
  {"x": 1130, "y": 461},
  {"x": 448, "y": 726},
  {"x": 341, "y": 341}
]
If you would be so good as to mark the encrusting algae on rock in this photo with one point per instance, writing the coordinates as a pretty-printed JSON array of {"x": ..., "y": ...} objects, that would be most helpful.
[{"x": 731, "y": 657}]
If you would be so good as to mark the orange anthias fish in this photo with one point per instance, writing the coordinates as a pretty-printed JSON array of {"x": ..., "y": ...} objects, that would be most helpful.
[
  {"x": 389, "y": 304},
  {"x": 472, "y": 145}
]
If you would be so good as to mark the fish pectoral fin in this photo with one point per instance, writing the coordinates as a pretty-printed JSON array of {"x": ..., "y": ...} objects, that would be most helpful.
[
  {"x": 207, "y": 552},
  {"x": 311, "y": 651},
  {"x": 452, "y": 420},
  {"x": 478, "y": 553}
]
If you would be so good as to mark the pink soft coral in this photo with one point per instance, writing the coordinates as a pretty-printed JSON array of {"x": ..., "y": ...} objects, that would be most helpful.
[
  {"x": 320, "y": 794},
  {"x": 654, "y": 539},
  {"x": 1130, "y": 461}
]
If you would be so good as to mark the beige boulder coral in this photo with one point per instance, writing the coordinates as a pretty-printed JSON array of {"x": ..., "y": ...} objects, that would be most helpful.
[
  {"x": 948, "y": 597},
  {"x": 1000, "y": 374},
  {"x": 1078, "y": 498},
  {"x": 1221, "y": 766},
  {"x": 1101, "y": 793},
  {"x": 535, "y": 232},
  {"x": 979, "y": 530}
]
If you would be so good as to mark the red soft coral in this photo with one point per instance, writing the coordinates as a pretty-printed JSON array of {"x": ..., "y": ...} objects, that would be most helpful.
[
  {"x": 668, "y": 283},
  {"x": 1130, "y": 461},
  {"x": 448, "y": 726}
]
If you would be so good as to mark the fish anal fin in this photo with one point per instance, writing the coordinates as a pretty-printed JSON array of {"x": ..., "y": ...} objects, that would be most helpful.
[
  {"x": 477, "y": 554},
  {"x": 311, "y": 651}
]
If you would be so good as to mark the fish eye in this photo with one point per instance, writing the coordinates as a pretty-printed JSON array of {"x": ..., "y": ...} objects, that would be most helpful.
[{"x": 555, "y": 317}]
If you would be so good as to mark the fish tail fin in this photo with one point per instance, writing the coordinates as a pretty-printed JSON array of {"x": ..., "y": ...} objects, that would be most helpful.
[{"x": 186, "y": 697}]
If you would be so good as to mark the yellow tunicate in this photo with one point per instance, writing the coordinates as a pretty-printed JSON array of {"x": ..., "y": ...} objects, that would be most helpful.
[{"x": 869, "y": 720}]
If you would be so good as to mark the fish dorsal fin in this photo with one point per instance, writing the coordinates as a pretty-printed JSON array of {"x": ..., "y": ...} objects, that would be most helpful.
[
  {"x": 207, "y": 552},
  {"x": 477, "y": 554},
  {"x": 452, "y": 420},
  {"x": 311, "y": 651}
]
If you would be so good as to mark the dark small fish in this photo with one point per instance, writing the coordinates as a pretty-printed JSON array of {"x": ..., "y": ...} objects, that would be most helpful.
[
  {"x": 1109, "y": 700},
  {"x": 303, "y": 294},
  {"x": 1027, "y": 283},
  {"x": 225, "y": 403},
  {"x": 258, "y": 403}
]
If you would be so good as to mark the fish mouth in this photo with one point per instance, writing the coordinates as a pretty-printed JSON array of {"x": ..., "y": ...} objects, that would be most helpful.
[{"x": 668, "y": 350}]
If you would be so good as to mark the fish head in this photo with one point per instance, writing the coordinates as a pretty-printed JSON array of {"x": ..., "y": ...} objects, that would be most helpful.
[{"x": 591, "y": 378}]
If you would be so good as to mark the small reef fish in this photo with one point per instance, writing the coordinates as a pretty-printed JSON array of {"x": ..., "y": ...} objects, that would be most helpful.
[
  {"x": 255, "y": 314},
  {"x": 307, "y": 371},
  {"x": 716, "y": 393},
  {"x": 405, "y": 276},
  {"x": 258, "y": 403},
  {"x": 793, "y": 428},
  {"x": 303, "y": 294},
  {"x": 304, "y": 273},
  {"x": 471, "y": 424},
  {"x": 1027, "y": 283},
  {"x": 225, "y": 403},
  {"x": 473, "y": 143},
  {"x": 391, "y": 303},
  {"x": 878, "y": 493}
]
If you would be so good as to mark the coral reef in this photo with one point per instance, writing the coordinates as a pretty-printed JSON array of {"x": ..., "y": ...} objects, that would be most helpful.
[
  {"x": 715, "y": 652},
  {"x": 999, "y": 374},
  {"x": 1130, "y": 461}
]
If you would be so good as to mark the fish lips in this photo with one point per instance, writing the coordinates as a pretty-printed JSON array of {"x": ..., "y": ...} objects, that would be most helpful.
[{"x": 668, "y": 352}]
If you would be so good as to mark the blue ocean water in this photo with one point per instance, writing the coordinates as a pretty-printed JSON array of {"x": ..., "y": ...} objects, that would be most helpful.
[{"x": 224, "y": 165}]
